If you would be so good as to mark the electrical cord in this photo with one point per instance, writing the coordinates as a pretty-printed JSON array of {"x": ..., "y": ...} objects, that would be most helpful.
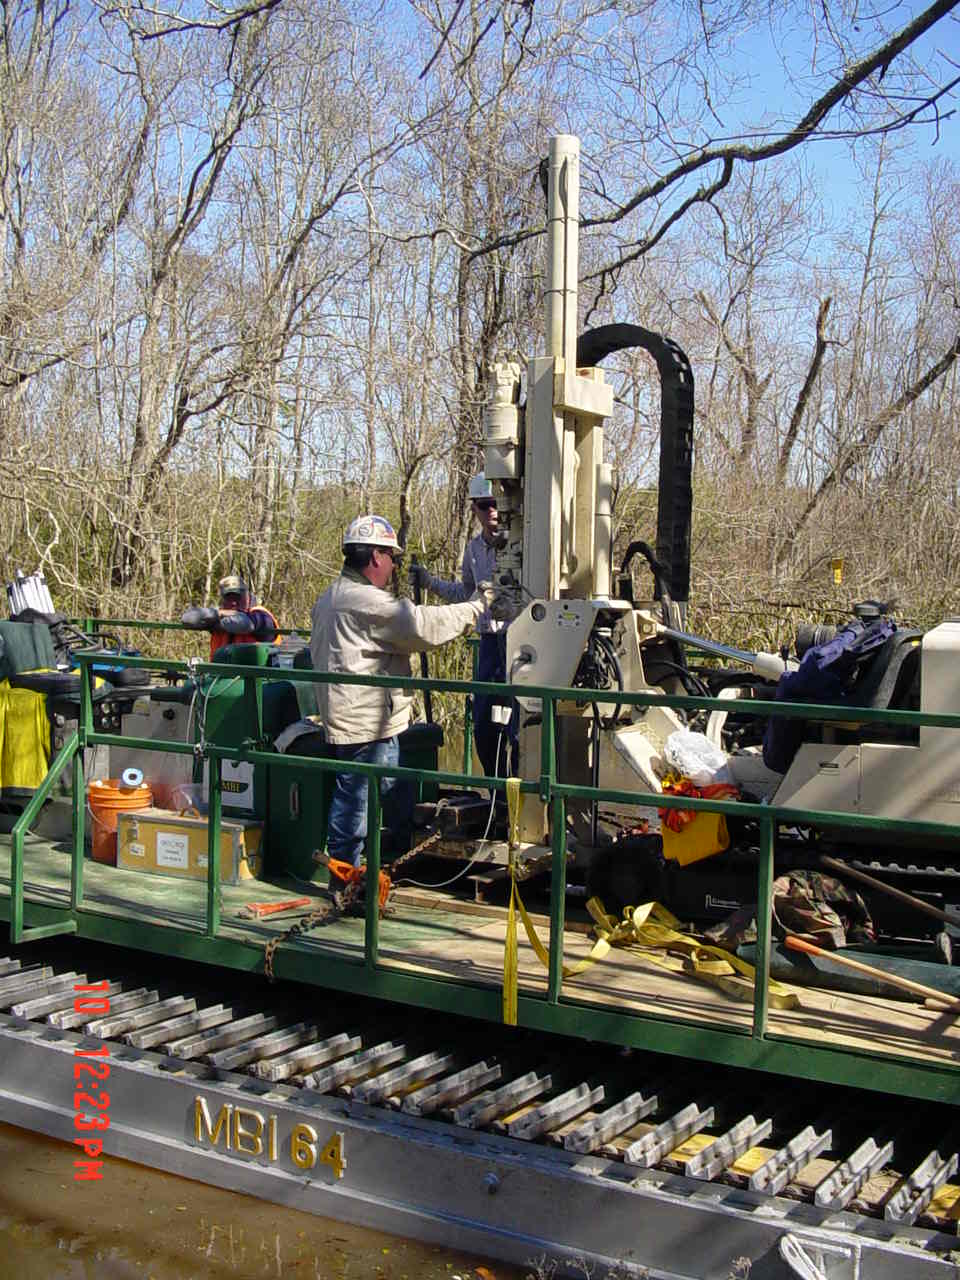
[
  {"x": 193, "y": 702},
  {"x": 202, "y": 718},
  {"x": 419, "y": 884},
  {"x": 600, "y": 669}
]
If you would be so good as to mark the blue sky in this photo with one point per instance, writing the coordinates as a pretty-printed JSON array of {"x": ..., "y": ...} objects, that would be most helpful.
[{"x": 829, "y": 160}]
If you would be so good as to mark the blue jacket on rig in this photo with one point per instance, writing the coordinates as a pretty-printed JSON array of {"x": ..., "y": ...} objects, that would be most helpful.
[{"x": 826, "y": 674}]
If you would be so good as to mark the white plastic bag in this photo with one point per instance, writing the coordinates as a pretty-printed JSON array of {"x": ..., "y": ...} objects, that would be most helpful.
[
  {"x": 695, "y": 756},
  {"x": 186, "y": 796}
]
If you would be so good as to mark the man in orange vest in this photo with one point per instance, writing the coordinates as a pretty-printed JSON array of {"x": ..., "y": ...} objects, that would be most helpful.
[{"x": 237, "y": 620}]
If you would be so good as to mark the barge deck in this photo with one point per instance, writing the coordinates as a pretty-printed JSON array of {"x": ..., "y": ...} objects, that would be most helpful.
[{"x": 438, "y": 952}]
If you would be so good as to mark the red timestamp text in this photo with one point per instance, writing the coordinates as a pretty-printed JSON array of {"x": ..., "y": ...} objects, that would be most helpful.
[{"x": 91, "y": 1102}]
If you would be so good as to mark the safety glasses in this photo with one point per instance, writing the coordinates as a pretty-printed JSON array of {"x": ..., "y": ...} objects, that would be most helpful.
[{"x": 486, "y": 504}]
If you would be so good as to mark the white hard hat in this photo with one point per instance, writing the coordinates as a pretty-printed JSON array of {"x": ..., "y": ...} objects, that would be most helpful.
[
  {"x": 480, "y": 487},
  {"x": 371, "y": 531}
]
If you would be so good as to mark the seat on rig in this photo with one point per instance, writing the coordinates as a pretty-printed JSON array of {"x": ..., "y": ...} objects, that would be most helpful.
[
  {"x": 306, "y": 693},
  {"x": 891, "y": 681},
  {"x": 25, "y": 646},
  {"x": 867, "y": 669}
]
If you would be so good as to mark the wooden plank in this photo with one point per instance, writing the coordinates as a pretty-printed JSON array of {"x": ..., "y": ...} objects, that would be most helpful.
[{"x": 426, "y": 901}]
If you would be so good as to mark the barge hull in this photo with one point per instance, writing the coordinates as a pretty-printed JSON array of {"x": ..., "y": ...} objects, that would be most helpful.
[{"x": 483, "y": 1193}]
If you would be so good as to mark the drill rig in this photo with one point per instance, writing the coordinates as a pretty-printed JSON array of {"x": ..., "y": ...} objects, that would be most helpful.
[
  {"x": 570, "y": 628},
  {"x": 575, "y": 622}
]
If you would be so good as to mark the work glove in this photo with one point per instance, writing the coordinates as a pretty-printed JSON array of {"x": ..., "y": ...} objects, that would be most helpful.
[
  {"x": 486, "y": 593},
  {"x": 201, "y": 618},
  {"x": 420, "y": 577}
]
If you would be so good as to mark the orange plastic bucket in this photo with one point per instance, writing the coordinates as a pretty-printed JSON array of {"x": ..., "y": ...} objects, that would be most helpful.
[{"x": 107, "y": 799}]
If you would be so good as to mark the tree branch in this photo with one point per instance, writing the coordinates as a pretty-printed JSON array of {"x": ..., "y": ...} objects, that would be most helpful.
[
  {"x": 800, "y": 407},
  {"x": 801, "y": 132},
  {"x": 858, "y": 451},
  {"x": 175, "y": 24}
]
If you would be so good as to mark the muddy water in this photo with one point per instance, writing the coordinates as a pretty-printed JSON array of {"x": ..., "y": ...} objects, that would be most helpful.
[{"x": 138, "y": 1224}]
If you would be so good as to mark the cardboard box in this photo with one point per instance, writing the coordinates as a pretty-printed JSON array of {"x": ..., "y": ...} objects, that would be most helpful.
[{"x": 171, "y": 844}]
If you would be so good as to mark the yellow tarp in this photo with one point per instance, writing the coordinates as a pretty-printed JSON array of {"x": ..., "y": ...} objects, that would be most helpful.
[{"x": 24, "y": 737}]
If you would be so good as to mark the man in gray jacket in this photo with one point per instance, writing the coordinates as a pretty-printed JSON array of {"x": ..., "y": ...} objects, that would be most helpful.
[{"x": 360, "y": 628}]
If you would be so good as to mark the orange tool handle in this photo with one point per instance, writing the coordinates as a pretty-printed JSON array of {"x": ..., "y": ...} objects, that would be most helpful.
[
  {"x": 894, "y": 980},
  {"x": 268, "y": 908}
]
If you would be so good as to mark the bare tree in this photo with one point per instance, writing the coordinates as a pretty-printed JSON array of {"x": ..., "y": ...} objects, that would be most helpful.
[{"x": 672, "y": 158}]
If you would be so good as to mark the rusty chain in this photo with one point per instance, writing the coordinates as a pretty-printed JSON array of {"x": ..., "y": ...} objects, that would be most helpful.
[{"x": 342, "y": 901}]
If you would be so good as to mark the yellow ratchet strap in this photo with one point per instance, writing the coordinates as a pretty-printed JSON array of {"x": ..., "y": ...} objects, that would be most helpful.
[
  {"x": 652, "y": 927},
  {"x": 600, "y": 949},
  {"x": 510, "y": 943}
]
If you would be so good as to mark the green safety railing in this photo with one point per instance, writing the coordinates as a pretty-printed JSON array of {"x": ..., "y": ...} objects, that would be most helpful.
[
  {"x": 70, "y": 754},
  {"x": 91, "y": 625},
  {"x": 546, "y": 785}
]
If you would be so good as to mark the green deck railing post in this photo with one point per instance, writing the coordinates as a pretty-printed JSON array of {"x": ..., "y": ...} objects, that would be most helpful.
[
  {"x": 79, "y": 802},
  {"x": 214, "y": 814},
  {"x": 558, "y": 896},
  {"x": 85, "y": 726},
  {"x": 16, "y": 891},
  {"x": 371, "y": 931},
  {"x": 761, "y": 988},
  {"x": 468, "y": 709},
  {"x": 548, "y": 748},
  {"x": 79, "y": 792},
  {"x": 20, "y": 828}
]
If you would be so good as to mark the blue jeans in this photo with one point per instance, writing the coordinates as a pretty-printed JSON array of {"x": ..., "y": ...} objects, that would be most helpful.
[
  {"x": 347, "y": 819},
  {"x": 492, "y": 666}
]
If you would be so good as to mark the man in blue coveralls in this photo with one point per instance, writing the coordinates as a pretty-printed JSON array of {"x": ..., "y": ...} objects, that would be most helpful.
[{"x": 496, "y": 743}]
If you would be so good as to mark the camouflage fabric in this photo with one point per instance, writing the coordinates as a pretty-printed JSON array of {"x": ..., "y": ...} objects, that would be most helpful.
[{"x": 808, "y": 904}]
